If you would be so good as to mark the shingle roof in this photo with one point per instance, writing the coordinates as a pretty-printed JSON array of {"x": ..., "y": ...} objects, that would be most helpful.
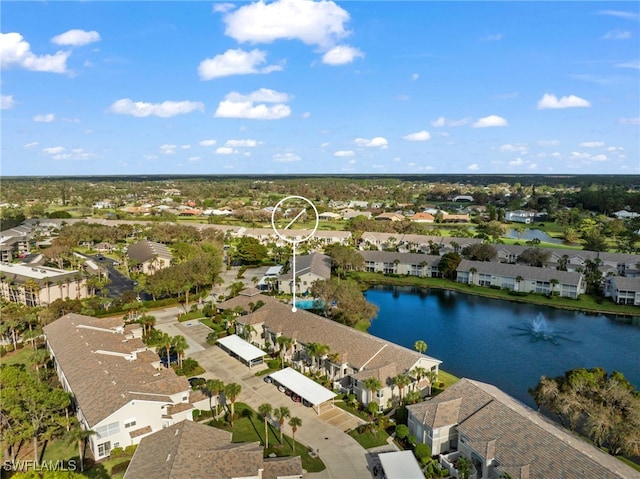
[
  {"x": 145, "y": 250},
  {"x": 497, "y": 426},
  {"x": 103, "y": 383},
  {"x": 626, "y": 284},
  {"x": 196, "y": 451},
  {"x": 356, "y": 348},
  {"x": 314, "y": 263},
  {"x": 515, "y": 270}
]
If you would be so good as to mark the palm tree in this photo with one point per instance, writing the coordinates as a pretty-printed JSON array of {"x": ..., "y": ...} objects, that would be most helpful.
[
  {"x": 165, "y": 342},
  {"x": 180, "y": 344},
  {"x": 553, "y": 282},
  {"x": 473, "y": 272},
  {"x": 419, "y": 372},
  {"x": 248, "y": 331},
  {"x": 212, "y": 388},
  {"x": 147, "y": 322},
  {"x": 231, "y": 392},
  {"x": 285, "y": 343},
  {"x": 372, "y": 385},
  {"x": 322, "y": 352},
  {"x": 281, "y": 413},
  {"x": 401, "y": 381},
  {"x": 420, "y": 346},
  {"x": 80, "y": 435},
  {"x": 265, "y": 410},
  {"x": 295, "y": 423},
  {"x": 432, "y": 376}
]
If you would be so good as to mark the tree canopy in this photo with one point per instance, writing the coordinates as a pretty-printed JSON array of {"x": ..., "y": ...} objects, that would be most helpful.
[{"x": 343, "y": 301}]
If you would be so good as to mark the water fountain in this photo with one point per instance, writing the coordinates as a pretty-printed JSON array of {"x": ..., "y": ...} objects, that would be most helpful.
[{"x": 539, "y": 329}]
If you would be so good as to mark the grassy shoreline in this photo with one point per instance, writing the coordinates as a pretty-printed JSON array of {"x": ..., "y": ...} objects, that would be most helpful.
[{"x": 584, "y": 303}]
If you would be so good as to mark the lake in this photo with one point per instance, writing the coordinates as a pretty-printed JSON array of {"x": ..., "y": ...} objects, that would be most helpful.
[
  {"x": 532, "y": 233},
  {"x": 504, "y": 343}
]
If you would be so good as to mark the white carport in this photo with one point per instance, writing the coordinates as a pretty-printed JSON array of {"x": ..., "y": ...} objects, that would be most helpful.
[
  {"x": 400, "y": 465},
  {"x": 247, "y": 352},
  {"x": 304, "y": 387}
]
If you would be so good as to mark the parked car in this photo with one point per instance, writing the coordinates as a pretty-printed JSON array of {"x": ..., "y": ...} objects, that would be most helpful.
[
  {"x": 295, "y": 398},
  {"x": 306, "y": 403},
  {"x": 281, "y": 389},
  {"x": 194, "y": 382},
  {"x": 288, "y": 392},
  {"x": 267, "y": 379}
]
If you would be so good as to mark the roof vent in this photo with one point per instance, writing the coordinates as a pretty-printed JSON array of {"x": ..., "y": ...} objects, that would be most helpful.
[{"x": 169, "y": 455}]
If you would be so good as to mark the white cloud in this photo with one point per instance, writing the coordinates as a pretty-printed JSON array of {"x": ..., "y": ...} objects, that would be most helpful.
[
  {"x": 306, "y": 115},
  {"x": 324, "y": 145},
  {"x": 418, "y": 136},
  {"x": 236, "y": 105},
  {"x": 617, "y": 35},
  {"x": 580, "y": 155},
  {"x": 473, "y": 167},
  {"x": 223, "y": 7},
  {"x": 185, "y": 147},
  {"x": 549, "y": 101},
  {"x": 16, "y": 52},
  {"x": 492, "y": 38},
  {"x": 548, "y": 142},
  {"x": 490, "y": 121},
  {"x": 208, "y": 142},
  {"x": 235, "y": 62},
  {"x": 592, "y": 144},
  {"x": 377, "y": 142},
  {"x": 442, "y": 121},
  {"x": 341, "y": 55},
  {"x": 48, "y": 118},
  {"x": 194, "y": 158},
  {"x": 344, "y": 153},
  {"x": 168, "y": 149},
  {"x": 76, "y": 38},
  {"x": 166, "y": 109},
  {"x": 630, "y": 121},
  {"x": 30, "y": 146},
  {"x": 635, "y": 64},
  {"x": 286, "y": 157},
  {"x": 7, "y": 102},
  {"x": 516, "y": 162},
  {"x": 225, "y": 150},
  {"x": 620, "y": 14},
  {"x": 521, "y": 148},
  {"x": 242, "y": 143},
  {"x": 75, "y": 154},
  {"x": 313, "y": 23},
  {"x": 415, "y": 76},
  {"x": 600, "y": 158},
  {"x": 53, "y": 150}
]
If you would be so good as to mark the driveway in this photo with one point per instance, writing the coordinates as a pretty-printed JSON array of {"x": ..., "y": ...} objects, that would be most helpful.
[{"x": 342, "y": 455}]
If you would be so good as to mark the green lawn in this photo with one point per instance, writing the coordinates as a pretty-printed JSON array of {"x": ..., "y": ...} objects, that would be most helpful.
[
  {"x": 190, "y": 315},
  {"x": 249, "y": 427},
  {"x": 368, "y": 439},
  {"x": 18, "y": 357}
]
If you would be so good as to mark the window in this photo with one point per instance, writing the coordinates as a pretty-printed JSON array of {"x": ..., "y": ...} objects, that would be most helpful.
[
  {"x": 108, "y": 430},
  {"x": 129, "y": 423},
  {"x": 116, "y": 444},
  {"x": 104, "y": 449}
]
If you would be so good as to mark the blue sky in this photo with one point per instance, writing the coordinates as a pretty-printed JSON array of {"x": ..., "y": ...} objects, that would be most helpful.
[{"x": 297, "y": 86}]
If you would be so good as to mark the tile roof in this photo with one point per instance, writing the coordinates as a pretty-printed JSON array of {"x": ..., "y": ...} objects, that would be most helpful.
[
  {"x": 497, "y": 426},
  {"x": 145, "y": 250},
  {"x": 196, "y": 451},
  {"x": 91, "y": 354}
]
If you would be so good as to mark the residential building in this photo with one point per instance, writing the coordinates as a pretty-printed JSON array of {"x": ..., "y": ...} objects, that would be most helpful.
[
  {"x": 516, "y": 277},
  {"x": 394, "y": 217},
  {"x": 309, "y": 268},
  {"x": 118, "y": 386},
  {"x": 423, "y": 218},
  {"x": 12, "y": 247},
  {"x": 623, "y": 290},
  {"x": 352, "y": 357},
  {"x": 413, "y": 264},
  {"x": 329, "y": 216},
  {"x": 39, "y": 285},
  {"x": 147, "y": 257},
  {"x": 500, "y": 435},
  {"x": 197, "y": 451},
  {"x": 520, "y": 216}
]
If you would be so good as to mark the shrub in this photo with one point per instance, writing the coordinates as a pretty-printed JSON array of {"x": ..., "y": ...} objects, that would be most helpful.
[
  {"x": 402, "y": 431},
  {"x": 117, "y": 452},
  {"x": 3, "y": 351},
  {"x": 129, "y": 450},
  {"x": 119, "y": 468},
  {"x": 423, "y": 453},
  {"x": 273, "y": 363},
  {"x": 9, "y": 348}
]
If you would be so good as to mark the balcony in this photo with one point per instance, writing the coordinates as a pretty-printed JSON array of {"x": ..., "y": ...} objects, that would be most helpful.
[{"x": 450, "y": 461}]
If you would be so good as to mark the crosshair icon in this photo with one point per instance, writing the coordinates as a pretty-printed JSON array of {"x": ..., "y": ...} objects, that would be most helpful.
[{"x": 293, "y": 228}]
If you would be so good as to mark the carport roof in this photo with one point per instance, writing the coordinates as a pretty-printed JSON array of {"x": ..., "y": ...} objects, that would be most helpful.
[
  {"x": 239, "y": 346},
  {"x": 400, "y": 465},
  {"x": 303, "y": 386}
]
